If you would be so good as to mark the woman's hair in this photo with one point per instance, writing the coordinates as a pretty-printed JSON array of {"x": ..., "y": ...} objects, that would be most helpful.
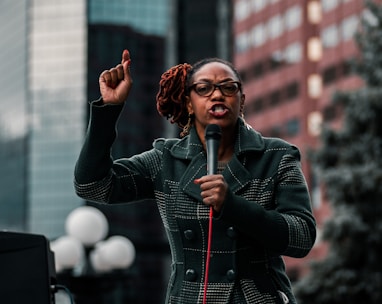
[{"x": 174, "y": 88}]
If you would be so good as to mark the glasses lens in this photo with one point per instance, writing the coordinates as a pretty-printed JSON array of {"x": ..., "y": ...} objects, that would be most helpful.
[
  {"x": 229, "y": 88},
  {"x": 204, "y": 89}
]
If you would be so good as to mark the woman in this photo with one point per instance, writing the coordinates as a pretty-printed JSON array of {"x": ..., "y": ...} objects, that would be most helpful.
[{"x": 260, "y": 202}]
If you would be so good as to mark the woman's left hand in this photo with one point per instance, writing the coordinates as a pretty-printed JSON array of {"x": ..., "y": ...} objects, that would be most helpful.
[{"x": 213, "y": 190}]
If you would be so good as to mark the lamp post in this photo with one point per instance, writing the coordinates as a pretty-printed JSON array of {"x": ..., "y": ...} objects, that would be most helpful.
[{"x": 91, "y": 265}]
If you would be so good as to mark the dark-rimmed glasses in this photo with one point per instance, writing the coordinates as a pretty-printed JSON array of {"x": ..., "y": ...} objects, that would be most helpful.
[{"x": 205, "y": 89}]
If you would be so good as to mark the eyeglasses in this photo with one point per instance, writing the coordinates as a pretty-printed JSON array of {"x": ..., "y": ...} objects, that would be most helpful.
[{"x": 205, "y": 89}]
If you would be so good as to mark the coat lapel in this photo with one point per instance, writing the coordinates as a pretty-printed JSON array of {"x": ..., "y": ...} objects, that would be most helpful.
[
  {"x": 190, "y": 148},
  {"x": 236, "y": 175}
]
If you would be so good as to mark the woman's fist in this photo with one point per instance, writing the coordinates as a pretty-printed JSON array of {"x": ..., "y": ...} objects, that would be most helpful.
[{"x": 115, "y": 84}]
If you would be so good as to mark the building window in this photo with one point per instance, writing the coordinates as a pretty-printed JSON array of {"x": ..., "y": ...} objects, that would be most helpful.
[
  {"x": 349, "y": 27},
  {"x": 346, "y": 69},
  {"x": 258, "y": 69},
  {"x": 258, "y": 5},
  {"x": 328, "y": 5},
  {"x": 292, "y": 90},
  {"x": 329, "y": 75},
  {"x": 314, "y": 49},
  {"x": 275, "y": 98},
  {"x": 314, "y": 85},
  {"x": 275, "y": 26},
  {"x": 258, "y": 35},
  {"x": 293, "y": 17},
  {"x": 275, "y": 131},
  {"x": 293, "y": 127},
  {"x": 242, "y": 10},
  {"x": 314, "y": 12},
  {"x": 314, "y": 123},
  {"x": 242, "y": 42},
  {"x": 244, "y": 76},
  {"x": 329, "y": 36},
  {"x": 258, "y": 105},
  {"x": 276, "y": 60},
  {"x": 293, "y": 53}
]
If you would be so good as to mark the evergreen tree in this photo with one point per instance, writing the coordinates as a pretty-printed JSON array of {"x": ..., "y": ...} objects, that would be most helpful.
[{"x": 349, "y": 162}]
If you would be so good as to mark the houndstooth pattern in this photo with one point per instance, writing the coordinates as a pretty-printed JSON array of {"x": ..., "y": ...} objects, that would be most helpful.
[
  {"x": 97, "y": 191},
  {"x": 181, "y": 208}
]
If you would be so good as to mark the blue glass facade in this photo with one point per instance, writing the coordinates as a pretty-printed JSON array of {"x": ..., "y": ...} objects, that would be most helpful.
[
  {"x": 143, "y": 16},
  {"x": 13, "y": 113}
]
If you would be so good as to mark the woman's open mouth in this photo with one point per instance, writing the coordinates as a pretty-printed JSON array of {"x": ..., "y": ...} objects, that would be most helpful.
[{"x": 218, "y": 110}]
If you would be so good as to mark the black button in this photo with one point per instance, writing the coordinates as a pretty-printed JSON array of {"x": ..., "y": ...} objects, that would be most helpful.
[
  {"x": 190, "y": 275},
  {"x": 189, "y": 235},
  {"x": 231, "y": 232},
  {"x": 231, "y": 275}
]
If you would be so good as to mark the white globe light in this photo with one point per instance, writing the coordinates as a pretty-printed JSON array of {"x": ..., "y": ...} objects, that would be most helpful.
[
  {"x": 119, "y": 251},
  {"x": 68, "y": 252},
  {"x": 87, "y": 224},
  {"x": 98, "y": 262}
]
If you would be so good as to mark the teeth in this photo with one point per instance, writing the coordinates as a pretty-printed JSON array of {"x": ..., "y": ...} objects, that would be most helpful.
[{"x": 218, "y": 109}]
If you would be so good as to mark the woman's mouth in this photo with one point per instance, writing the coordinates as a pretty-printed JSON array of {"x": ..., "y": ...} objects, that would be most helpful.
[{"x": 218, "y": 110}]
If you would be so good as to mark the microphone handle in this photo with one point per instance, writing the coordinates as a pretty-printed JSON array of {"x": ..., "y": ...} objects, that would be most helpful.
[{"x": 212, "y": 155}]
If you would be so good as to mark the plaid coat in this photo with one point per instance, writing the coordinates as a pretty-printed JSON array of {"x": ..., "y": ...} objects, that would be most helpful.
[{"x": 266, "y": 213}]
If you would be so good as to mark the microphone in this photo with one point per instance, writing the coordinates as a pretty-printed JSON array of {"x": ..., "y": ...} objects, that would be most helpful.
[{"x": 212, "y": 136}]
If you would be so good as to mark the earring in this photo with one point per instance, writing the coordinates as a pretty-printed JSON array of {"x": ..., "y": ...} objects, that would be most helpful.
[
  {"x": 186, "y": 128},
  {"x": 242, "y": 115}
]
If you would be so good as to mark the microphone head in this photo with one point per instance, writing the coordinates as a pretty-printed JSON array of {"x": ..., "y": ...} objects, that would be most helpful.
[{"x": 213, "y": 132}]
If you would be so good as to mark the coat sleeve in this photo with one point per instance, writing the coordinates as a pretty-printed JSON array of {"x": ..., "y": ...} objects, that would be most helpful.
[
  {"x": 289, "y": 228},
  {"x": 97, "y": 177}
]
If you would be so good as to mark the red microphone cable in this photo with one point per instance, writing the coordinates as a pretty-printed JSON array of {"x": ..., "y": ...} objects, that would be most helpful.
[{"x": 208, "y": 257}]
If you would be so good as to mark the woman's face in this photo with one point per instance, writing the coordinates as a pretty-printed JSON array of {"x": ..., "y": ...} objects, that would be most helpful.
[{"x": 218, "y": 108}]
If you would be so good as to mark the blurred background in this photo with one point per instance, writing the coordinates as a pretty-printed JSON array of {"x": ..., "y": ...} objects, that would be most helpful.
[{"x": 291, "y": 54}]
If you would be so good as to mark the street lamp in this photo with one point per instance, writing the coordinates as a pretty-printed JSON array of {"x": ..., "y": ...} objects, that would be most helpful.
[{"x": 85, "y": 257}]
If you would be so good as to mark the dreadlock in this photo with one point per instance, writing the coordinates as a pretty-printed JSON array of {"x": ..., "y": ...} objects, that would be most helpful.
[{"x": 171, "y": 98}]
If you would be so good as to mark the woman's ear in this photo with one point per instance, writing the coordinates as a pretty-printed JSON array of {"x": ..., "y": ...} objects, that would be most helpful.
[
  {"x": 190, "y": 110},
  {"x": 242, "y": 100}
]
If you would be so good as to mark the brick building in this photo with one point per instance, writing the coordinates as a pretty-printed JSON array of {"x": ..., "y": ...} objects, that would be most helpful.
[{"x": 293, "y": 55}]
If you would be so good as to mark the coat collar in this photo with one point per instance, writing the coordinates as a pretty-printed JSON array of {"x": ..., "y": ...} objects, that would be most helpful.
[
  {"x": 236, "y": 175},
  {"x": 247, "y": 140}
]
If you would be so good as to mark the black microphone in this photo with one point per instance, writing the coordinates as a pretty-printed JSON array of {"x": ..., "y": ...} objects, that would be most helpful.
[{"x": 212, "y": 135}]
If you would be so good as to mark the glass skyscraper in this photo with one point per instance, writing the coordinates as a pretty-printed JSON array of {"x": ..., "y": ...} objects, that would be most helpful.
[
  {"x": 57, "y": 91},
  {"x": 54, "y": 67},
  {"x": 43, "y": 85},
  {"x": 14, "y": 113}
]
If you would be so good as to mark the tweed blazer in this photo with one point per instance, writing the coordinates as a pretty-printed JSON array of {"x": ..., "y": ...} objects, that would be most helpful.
[{"x": 266, "y": 213}]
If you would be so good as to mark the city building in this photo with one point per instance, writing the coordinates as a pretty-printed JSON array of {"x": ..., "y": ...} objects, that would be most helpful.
[
  {"x": 43, "y": 52},
  {"x": 293, "y": 55},
  {"x": 14, "y": 113}
]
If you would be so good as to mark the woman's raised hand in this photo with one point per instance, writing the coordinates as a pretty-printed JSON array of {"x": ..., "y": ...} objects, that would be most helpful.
[{"x": 115, "y": 84}]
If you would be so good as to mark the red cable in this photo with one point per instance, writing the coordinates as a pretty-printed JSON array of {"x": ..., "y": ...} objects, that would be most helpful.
[{"x": 208, "y": 255}]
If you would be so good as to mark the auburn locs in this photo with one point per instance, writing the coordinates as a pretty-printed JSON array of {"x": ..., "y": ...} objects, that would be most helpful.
[{"x": 171, "y": 97}]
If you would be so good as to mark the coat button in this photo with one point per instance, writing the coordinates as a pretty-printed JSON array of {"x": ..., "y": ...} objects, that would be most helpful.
[
  {"x": 231, "y": 232},
  {"x": 190, "y": 275},
  {"x": 189, "y": 234},
  {"x": 231, "y": 275}
]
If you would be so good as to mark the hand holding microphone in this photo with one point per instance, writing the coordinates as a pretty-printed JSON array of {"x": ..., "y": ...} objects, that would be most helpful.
[{"x": 213, "y": 186}]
